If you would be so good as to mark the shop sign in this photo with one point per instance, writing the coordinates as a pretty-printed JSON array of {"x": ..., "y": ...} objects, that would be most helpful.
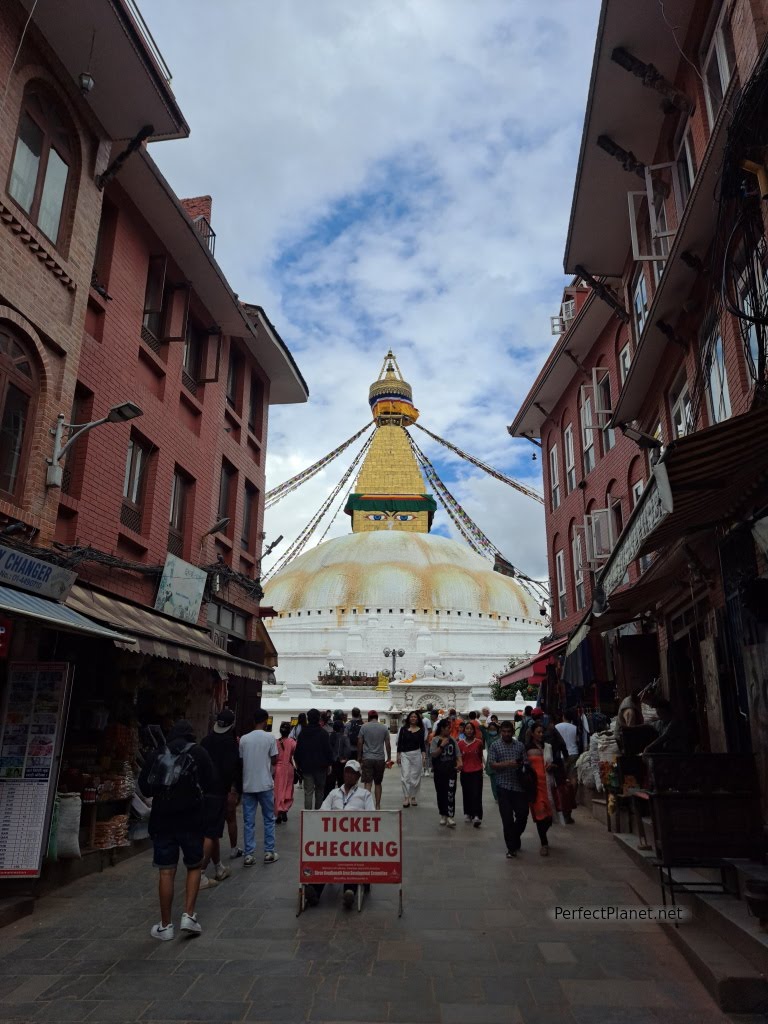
[
  {"x": 351, "y": 846},
  {"x": 35, "y": 575},
  {"x": 30, "y": 743},
  {"x": 181, "y": 589},
  {"x": 654, "y": 508}
]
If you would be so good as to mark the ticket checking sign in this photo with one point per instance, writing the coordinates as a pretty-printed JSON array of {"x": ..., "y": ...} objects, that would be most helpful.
[{"x": 351, "y": 846}]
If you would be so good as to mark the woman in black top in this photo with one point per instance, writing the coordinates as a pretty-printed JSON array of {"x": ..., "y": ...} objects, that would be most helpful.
[
  {"x": 446, "y": 762},
  {"x": 411, "y": 756}
]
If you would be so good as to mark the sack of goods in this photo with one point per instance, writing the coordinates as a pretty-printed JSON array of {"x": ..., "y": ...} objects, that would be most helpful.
[
  {"x": 68, "y": 833},
  {"x": 585, "y": 772}
]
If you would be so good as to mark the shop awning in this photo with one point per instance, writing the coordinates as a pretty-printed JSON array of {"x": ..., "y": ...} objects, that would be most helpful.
[
  {"x": 697, "y": 484},
  {"x": 150, "y": 632},
  {"x": 535, "y": 668},
  {"x": 56, "y": 616}
]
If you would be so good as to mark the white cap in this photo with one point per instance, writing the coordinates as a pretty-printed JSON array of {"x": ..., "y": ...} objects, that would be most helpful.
[{"x": 355, "y": 766}]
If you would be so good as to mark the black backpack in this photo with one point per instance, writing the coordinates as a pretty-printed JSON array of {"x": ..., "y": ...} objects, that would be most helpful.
[
  {"x": 355, "y": 726},
  {"x": 173, "y": 779}
]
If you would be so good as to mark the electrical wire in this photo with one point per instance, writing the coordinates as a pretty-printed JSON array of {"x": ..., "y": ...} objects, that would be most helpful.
[{"x": 16, "y": 56}]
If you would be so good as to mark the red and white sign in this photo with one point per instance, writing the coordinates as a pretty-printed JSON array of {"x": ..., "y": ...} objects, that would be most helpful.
[{"x": 351, "y": 846}]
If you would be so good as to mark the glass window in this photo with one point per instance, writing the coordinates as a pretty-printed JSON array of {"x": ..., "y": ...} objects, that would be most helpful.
[
  {"x": 233, "y": 378},
  {"x": 570, "y": 461},
  {"x": 154, "y": 296},
  {"x": 250, "y": 513},
  {"x": 178, "y": 508},
  {"x": 625, "y": 359},
  {"x": 680, "y": 406},
  {"x": 637, "y": 490},
  {"x": 660, "y": 243},
  {"x": 578, "y": 570},
  {"x": 587, "y": 435},
  {"x": 18, "y": 387},
  {"x": 686, "y": 163},
  {"x": 226, "y": 490},
  {"x": 606, "y": 411},
  {"x": 256, "y": 405},
  {"x": 719, "y": 397},
  {"x": 562, "y": 597},
  {"x": 193, "y": 351},
  {"x": 719, "y": 65},
  {"x": 41, "y": 161},
  {"x": 554, "y": 477},
  {"x": 639, "y": 302},
  {"x": 135, "y": 470}
]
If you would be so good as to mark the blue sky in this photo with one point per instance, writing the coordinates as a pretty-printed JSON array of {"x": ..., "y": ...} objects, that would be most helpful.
[{"x": 391, "y": 174}]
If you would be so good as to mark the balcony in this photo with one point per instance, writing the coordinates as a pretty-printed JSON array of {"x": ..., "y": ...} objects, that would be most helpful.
[{"x": 204, "y": 228}]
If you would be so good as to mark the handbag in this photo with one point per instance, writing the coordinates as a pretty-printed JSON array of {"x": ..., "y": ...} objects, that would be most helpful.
[{"x": 529, "y": 782}]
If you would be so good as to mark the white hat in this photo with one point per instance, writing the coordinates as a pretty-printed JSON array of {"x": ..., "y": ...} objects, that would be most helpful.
[{"x": 355, "y": 766}]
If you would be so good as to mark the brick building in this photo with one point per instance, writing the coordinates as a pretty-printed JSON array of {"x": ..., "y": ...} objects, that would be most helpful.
[{"x": 650, "y": 408}]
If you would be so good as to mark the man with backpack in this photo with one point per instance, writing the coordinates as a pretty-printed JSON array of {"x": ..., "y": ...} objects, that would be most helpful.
[
  {"x": 354, "y": 725},
  {"x": 176, "y": 776},
  {"x": 258, "y": 750}
]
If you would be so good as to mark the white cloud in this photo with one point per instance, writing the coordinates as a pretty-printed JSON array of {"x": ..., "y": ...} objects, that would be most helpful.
[{"x": 398, "y": 174}]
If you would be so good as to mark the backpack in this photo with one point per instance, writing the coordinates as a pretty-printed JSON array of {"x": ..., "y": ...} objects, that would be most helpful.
[
  {"x": 353, "y": 731},
  {"x": 173, "y": 779}
]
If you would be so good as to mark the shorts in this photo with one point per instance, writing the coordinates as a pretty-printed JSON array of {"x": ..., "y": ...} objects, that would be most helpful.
[
  {"x": 167, "y": 846},
  {"x": 215, "y": 815},
  {"x": 373, "y": 771}
]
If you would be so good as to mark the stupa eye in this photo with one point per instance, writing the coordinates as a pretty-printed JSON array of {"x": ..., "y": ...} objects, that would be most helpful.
[
  {"x": 376, "y": 517},
  {"x": 404, "y": 518}
]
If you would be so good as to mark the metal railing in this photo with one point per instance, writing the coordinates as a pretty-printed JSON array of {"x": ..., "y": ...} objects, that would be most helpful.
[
  {"x": 136, "y": 15},
  {"x": 204, "y": 228}
]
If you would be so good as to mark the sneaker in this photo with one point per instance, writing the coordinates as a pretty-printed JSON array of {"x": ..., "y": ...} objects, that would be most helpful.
[
  {"x": 249, "y": 861},
  {"x": 190, "y": 924},
  {"x": 270, "y": 857},
  {"x": 443, "y": 821},
  {"x": 451, "y": 822},
  {"x": 235, "y": 852},
  {"x": 222, "y": 873},
  {"x": 349, "y": 898},
  {"x": 164, "y": 932},
  {"x": 511, "y": 854},
  {"x": 475, "y": 821},
  {"x": 467, "y": 819},
  {"x": 207, "y": 883},
  {"x": 414, "y": 803}
]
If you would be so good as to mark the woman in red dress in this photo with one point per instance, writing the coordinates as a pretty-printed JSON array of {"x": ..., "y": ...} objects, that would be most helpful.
[
  {"x": 284, "y": 769},
  {"x": 543, "y": 804}
]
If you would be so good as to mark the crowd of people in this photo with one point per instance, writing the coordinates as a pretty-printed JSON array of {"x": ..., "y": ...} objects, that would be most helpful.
[{"x": 339, "y": 762}]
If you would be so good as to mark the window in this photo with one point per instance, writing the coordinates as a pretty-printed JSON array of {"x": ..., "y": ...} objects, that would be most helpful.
[
  {"x": 226, "y": 489},
  {"x": 680, "y": 406},
  {"x": 250, "y": 514},
  {"x": 233, "y": 378},
  {"x": 625, "y": 359},
  {"x": 256, "y": 405},
  {"x": 718, "y": 65},
  {"x": 578, "y": 570},
  {"x": 570, "y": 461},
  {"x": 637, "y": 490},
  {"x": 180, "y": 489},
  {"x": 192, "y": 355},
  {"x": 639, "y": 302},
  {"x": 719, "y": 397},
  {"x": 753, "y": 283},
  {"x": 587, "y": 435},
  {"x": 554, "y": 477},
  {"x": 136, "y": 461},
  {"x": 105, "y": 243},
  {"x": 562, "y": 598},
  {"x": 660, "y": 241},
  {"x": 18, "y": 387},
  {"x": 154, "y": 297},
  {"x": 41, "y": 161},
  {"x": 605, "y": 409},
  {"x": 686, "y": 162}
]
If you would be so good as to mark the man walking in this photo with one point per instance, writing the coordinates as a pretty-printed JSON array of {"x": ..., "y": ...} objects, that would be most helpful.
[
  {"x": 221, "y": 746},
  {"x": 258, "y": 751},
  {"x": 507, "y": 755},
  {"x": 350, "y": 796},
  {"x": 373, "y": 752},
  {"x": 176, "y": 776},
  {"x": 313, "y": 757}
]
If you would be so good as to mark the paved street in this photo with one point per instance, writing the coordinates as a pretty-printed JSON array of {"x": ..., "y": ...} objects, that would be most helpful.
[{"x": 475, "y": 943}]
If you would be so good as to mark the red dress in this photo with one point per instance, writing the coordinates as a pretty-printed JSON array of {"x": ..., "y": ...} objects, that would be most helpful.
[{"x": 284, "y": 774}]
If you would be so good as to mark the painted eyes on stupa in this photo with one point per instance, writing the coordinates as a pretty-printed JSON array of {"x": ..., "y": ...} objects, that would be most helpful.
[
  {"x": 404, "y": 518},
  {"x": 379, "y": 517},
  {"x": 376, "y": 517}
]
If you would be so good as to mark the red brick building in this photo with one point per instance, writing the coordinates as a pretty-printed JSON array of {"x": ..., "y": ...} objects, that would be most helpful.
[{"x": 650, "y": 407}]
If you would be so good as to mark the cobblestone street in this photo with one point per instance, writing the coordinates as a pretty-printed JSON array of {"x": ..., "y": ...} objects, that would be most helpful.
[{"x": 474, "y": 944}]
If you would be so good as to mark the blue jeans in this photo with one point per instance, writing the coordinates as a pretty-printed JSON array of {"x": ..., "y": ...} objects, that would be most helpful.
[{"x": 266, "y": 798}]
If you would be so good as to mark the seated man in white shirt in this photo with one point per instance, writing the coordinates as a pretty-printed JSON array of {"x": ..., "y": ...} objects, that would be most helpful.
[{"x": 351, "y": 796}]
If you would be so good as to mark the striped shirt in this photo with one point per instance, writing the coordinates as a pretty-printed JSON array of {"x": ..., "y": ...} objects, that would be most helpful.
[{"x": 508, "y": 778}]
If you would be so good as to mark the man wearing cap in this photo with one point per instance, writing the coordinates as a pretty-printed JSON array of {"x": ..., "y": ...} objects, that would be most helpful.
[
  {"x": 373, "y": 751},
  {"x": 258, "y": 750},
  {"x": 350, "y": 796},
  {"x": 221, "y": 745}
]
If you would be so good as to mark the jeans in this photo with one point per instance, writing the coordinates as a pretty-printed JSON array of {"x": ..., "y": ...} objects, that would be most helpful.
[
  {"x": 266, "y": 798},
  {"x": 513, "y": 808},
  {"x": 314, "y": 786},
  {"x": 445, "y": 789},
  {"x": 472, "y": 792}
]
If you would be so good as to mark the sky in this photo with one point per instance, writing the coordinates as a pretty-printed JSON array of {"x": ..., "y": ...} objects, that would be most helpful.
[{"x": 390, "y": 175}]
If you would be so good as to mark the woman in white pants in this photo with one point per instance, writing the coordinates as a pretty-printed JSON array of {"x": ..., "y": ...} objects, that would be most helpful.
[{"x": 411, "y": 756}]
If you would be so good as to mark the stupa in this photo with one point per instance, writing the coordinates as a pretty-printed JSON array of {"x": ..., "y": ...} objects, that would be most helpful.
[{"x": 394, "y": 584}]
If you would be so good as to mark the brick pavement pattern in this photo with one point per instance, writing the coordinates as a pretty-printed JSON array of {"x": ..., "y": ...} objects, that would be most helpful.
[{"x": 475, "y": 943}]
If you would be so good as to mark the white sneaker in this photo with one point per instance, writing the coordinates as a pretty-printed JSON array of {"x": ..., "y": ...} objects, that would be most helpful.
[
  {"x": 161, "y": 931},
  {"x": 451, "y": 823},
  {"x": 476, "y": 822},
  {"x": 207, "y": 883},
  {"x": 349, "y": 898},
  {"x": 467, "y": 819},
  {"x": 190, "y": 924},
  {"x": 270, "y": 857},
  {"x": 222, "y": 873},
  {"x": 235, "y": 852},
  {"x": 443, "y": 821},
  {"x": 249, "y": 861}
]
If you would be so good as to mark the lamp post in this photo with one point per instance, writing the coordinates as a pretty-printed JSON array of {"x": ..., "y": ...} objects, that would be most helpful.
[
  {"x": 117, "y": 414},
  {"x": 391, "y": 652}
]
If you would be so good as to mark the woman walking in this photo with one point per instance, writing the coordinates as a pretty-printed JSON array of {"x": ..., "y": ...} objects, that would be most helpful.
[
  {"x": 543, "y": 804},
  {"x": 471, "y": 750},
  {"x": 411, "y": 757},
  {"x": 491, "y": 735},
  {"x": 446, "y": 763},
  {"x": 284, "y": 776},
  {"x": 341, "y": 749}
]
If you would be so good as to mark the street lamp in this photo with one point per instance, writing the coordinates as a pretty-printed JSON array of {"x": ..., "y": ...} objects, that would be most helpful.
[
  {"x": 117, "y": 414},
  {"x": 394, "y": 654}
]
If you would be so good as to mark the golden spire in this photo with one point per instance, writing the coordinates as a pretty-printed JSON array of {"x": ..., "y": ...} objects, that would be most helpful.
[{"x": 391, "y": 397}]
